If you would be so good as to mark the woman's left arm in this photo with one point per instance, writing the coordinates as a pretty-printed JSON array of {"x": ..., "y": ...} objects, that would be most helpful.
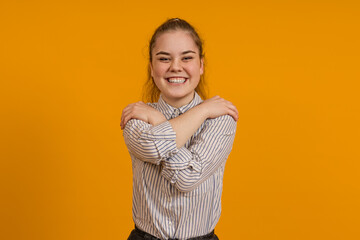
[
  {"x": 147, "y": 134},
  {"x": 143, "y": 112},
  {"x": 191, "y": 166}
]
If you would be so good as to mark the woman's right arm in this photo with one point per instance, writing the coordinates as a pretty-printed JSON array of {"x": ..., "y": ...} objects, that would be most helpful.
[
  {"x": 150, "y": 143},
  {"x": 151, "y": 138},
  {"x": 186, "y": 124}
]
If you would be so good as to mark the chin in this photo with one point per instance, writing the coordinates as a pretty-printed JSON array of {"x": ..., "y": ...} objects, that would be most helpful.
[{"x": 179, "y": 95}]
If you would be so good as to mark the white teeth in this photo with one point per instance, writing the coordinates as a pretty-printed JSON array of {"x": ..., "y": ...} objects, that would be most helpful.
[{"x": 176, "y": 80}]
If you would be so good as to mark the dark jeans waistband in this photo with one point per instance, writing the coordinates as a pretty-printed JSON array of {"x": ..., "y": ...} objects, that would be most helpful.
[{"x": 145, "y": 235}]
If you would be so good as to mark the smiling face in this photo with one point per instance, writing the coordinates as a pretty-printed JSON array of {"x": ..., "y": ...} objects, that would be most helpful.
[{"x": 176, "y": 67}]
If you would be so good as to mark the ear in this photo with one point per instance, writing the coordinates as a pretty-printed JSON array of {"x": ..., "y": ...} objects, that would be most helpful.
[
  {"x": 201, "y": 66},
  {"x": 151, "y": 69}
]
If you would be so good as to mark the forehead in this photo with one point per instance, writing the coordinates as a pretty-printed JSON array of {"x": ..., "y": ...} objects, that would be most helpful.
[{"x": 175, "y": 42}]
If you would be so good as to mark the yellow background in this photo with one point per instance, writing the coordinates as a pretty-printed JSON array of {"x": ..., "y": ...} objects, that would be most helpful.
[{"x": 68, "y": 68}]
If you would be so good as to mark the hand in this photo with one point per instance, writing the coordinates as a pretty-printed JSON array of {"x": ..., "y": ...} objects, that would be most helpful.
[
  {"x": 217, "y": 106},
  {"x": 141, "y": 111}
]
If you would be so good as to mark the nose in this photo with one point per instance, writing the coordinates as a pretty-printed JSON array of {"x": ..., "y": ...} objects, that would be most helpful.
[{"x": 175, "y": 66}]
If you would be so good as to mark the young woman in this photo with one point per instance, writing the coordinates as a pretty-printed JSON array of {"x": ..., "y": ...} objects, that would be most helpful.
[{"x": 179, "y": 144}]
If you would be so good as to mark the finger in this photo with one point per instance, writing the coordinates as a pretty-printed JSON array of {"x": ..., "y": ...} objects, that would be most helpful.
[
  {"x": 232, "y": 107},
  {"x": 131, "y": 105},
  {"x": 231, "y": 111},
  {"x": 122, "y": 122},
  {"x": 128, "y": 107},
  {"x": 122, "y": 115},
  {"x": 128, "y": 110},
  {"x": 229, "y": 103},
  {"x": 233, "y": 115},
  {"x": 215, "y": 97},
  {"x": 122, "y": 118},
  {"x": 125, "y": 117}
]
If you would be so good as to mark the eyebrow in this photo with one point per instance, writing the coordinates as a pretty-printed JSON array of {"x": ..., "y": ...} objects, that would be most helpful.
[{"x": 166, "y": 53}]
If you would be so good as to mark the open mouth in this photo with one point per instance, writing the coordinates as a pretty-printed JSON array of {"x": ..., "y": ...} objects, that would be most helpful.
[{"x": 176, "y": 80}]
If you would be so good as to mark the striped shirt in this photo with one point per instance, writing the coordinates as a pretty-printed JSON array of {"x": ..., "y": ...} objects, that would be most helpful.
[{"x": 177, "y": 192}]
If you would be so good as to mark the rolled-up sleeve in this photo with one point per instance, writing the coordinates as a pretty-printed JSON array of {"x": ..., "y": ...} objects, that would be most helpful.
[
  {"x": 150, "y": 143},
  {"x": 189, "y": 167}
]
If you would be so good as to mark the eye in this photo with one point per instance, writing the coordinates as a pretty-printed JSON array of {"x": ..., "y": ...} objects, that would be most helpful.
[
  {"x": 163, "y": 59},
  {"x": 187, "y": 58}
]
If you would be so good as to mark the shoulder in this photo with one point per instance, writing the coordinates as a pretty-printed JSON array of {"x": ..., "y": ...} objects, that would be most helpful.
[
  {"x": 224, "y": 123},
  {"x": 154, "y": 105},
  {"x": 223, "y": 119}
]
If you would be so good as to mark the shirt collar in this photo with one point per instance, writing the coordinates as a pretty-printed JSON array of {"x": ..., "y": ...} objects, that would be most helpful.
[{"x": 168, "y": 110}]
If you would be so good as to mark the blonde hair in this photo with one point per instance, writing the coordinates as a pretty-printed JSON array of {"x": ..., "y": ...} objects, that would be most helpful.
[{"x": 151, "y": 92}]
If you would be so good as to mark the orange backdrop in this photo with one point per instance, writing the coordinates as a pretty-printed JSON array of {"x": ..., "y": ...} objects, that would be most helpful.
[{"x": 68, "y": 68}]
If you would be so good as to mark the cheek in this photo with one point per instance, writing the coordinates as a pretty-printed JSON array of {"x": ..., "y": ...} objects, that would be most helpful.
[
  {"x": 195, "y": 70},
  {"x": 159, "y": 70}
]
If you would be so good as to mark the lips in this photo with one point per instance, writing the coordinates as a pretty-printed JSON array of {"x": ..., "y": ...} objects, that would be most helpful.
[{"x": 176, "y": 79}]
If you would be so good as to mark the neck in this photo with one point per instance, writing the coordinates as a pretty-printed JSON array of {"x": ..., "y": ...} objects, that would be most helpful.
[{"x": 179, "y": 102}]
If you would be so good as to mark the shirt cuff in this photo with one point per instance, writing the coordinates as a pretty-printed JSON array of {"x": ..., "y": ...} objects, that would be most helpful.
[
  {"x": 183, "y": 159},
  {"x": 164, "y": 138}
]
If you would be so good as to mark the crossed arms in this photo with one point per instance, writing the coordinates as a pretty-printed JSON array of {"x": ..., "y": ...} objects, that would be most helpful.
[{"x": 151, "y": 138}]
